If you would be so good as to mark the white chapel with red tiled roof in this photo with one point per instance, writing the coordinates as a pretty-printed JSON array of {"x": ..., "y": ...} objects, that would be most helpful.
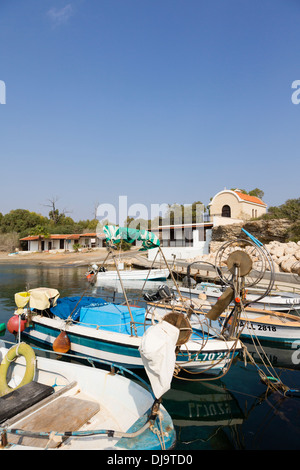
[{"x": 234, "y": 205}]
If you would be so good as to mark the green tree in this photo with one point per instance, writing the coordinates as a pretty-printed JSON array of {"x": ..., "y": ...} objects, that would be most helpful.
[
  {"x": 62, "y": 228},
  {"x": 86, "y": 225},
  {"x": 257, "y": 193},
  {"x": 289, "y": 210},
  {"x": 294, "y": 233},
  {"x": 39, "y": 230},
  {"x": 254, "y": 192},
  {"x": 21, "y": 221}
]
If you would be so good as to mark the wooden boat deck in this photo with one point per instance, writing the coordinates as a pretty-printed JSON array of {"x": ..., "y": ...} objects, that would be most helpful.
[
  {"x": 63, "y": 414},
  {"x": 67, "y": 410},
  {"x": 270, "y": 317}
]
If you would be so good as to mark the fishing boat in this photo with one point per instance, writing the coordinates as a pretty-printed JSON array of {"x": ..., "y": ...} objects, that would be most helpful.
[
  {"x": 118, "y": 333},
  {"x": 265, "y": 325},
  {"x": 57, "y": 404},
  {"x": 279, "y": 301},
  {"x": 130, "y": 285},
  {"x": 241, "y": 264},
  {"x": 98, "y": 274},
  {"x": 268, "y": 326},
  {"x": 131, "y": 275},
  {"x": 114, "y": 332}
]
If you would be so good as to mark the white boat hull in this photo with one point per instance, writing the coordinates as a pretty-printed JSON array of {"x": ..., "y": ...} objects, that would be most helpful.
[
  {"x": 121, "y": 402},
  {"x": 133, "y": 274},
  {"x": 266, "y": 325},
  {"x": 280, "y": 302},
  {"x": 269, "y": 327}
]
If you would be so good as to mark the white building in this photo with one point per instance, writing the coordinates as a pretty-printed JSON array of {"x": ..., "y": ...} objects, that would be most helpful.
[
  {"x": 63, "y": 242},
  {"x": 183, "y": 241},
  {"x": 230, "y": 206},
  {"x": 190, "y": 240}
]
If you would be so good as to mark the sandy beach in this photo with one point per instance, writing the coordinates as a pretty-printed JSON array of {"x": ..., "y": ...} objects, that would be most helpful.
[
  {"x": 55, "y": 258},
  {"x": 80, "y": 258}
]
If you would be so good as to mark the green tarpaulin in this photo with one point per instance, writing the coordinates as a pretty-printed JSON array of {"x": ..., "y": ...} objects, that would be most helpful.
[{"x": 129, "y": 235}]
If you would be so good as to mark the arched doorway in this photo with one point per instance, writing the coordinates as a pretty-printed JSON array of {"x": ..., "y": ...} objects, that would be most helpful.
[{"x": 226, "y": 211}]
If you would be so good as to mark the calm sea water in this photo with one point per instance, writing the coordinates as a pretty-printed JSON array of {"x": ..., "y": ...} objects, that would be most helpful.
[{"x": 234, "y": 412}]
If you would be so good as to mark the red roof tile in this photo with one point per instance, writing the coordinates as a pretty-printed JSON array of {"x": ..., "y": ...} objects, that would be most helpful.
[
  {"x": 247, "y": 197},
  {"x": 71, "y": 236},
  {"x": 32, "y": 237}
]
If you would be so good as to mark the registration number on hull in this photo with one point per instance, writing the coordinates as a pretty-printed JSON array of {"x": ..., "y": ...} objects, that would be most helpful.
[
  {"x": 257, "y": 326},
  {"x": 213, "y": 356}
]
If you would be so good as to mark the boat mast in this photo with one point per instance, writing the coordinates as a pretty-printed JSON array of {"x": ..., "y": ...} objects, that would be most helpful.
[{"x": 110, "y": 249}]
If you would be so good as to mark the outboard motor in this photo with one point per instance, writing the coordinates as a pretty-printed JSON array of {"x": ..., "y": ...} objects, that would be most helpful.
[
  {"x": 163, "y": 293},
  {"x": 90, "y": 275},
  {"x": 188, "y": 282}
]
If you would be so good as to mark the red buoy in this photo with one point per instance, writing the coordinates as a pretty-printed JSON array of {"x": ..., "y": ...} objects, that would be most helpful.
[{"x": 13, "y": 325}]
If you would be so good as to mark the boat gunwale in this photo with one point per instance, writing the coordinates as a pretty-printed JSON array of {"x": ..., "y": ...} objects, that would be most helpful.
[{"x": 122, "y": 338}]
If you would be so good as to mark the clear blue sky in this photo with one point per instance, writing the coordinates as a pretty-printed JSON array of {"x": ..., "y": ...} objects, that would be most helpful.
[{"x": 163, "y": 101}]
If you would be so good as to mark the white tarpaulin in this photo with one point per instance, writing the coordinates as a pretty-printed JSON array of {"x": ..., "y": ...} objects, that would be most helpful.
[
  {"x": 43, "y": 297},
  {"x": 157, "y": 351}
]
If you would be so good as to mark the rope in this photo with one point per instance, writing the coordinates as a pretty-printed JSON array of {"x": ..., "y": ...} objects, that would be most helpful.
[
  {"x": 159, "y": 433},
  {"x": 207, "y": 379},
  {"x": 272, "y": 381}
]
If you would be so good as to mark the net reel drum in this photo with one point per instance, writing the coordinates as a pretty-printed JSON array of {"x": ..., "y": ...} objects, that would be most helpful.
[{"x": 240, "y": 264}]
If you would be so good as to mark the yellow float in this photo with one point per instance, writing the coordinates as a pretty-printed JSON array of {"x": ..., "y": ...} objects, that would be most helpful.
[{"x": 21, "y": 349}]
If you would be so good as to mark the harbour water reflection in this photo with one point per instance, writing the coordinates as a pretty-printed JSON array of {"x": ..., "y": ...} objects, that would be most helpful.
[{"x": 234, "y": 412}]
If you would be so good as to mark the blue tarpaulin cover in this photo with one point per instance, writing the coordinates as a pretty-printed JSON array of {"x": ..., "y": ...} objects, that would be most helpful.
[
  {"x": 65, "y": 306},
  {"x": 112, "y": 317}
]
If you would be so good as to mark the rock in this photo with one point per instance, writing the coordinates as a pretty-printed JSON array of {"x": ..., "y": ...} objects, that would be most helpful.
[
  {"x": 276, "y": 250},
  {"x": 265, "y": 230},
  {"x": 222, "y": 233},
  {"x": 287, "y": 264},
  {"x": 296, "y": 268},
  {"x": 214, "y": 246},
  {"x": 290, "y": 248},
  {"x": 276, "y": 268}
]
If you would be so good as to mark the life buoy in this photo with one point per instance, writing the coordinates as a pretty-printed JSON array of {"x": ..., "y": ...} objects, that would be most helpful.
[{"x": 21, "y": 349}]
